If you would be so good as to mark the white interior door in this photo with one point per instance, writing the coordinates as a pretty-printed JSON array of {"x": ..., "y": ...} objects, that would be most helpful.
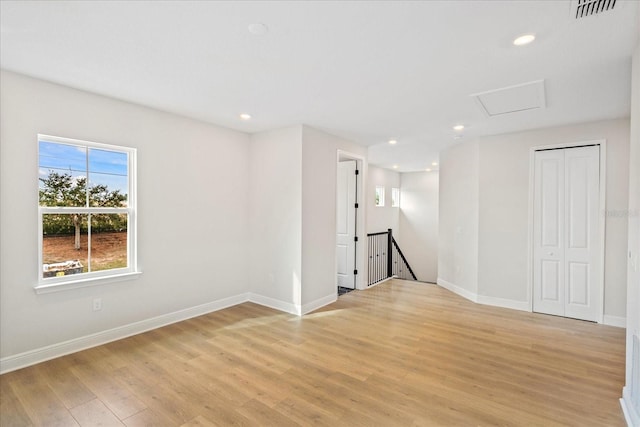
[
  {"x": 566, "y": 273},
  {"x": 548, "y": 231},
  {"x": 346, "y": 223}
]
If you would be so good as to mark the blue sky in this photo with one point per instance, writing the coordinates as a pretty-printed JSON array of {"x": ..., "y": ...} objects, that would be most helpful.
[{"x": 105, "y": 167}]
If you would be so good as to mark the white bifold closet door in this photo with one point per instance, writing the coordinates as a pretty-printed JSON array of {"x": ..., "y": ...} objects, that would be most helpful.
[{"x": 566, "y": 252}]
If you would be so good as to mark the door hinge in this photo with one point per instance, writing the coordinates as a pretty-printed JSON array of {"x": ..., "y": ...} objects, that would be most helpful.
[
  {"x": 356, "y": 206},
  {"x": 355, "y": 272},
  {"x": 355, "y": 238},
  {"x": 357, "y": 172}
]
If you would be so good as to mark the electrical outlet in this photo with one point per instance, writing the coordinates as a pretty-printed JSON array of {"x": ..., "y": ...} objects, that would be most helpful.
[{"x": 97, "y": 304}]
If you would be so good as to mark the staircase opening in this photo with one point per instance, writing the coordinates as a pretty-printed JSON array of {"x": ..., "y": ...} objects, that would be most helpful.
[{"x": 385, "y": 259}]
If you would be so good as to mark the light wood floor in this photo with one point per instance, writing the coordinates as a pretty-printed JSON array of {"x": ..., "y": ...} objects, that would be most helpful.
[{"x": 401, "y": 353}]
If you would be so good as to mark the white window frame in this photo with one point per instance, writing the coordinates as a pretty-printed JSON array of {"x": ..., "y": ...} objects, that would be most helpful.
[
  {"x": 52, "y": 284},
  {"x": 395, "y": 197},
  {"x": 381, "y": 198}
]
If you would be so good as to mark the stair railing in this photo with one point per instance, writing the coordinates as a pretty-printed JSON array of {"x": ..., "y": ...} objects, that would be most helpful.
[{"x": 386, "y": 260}]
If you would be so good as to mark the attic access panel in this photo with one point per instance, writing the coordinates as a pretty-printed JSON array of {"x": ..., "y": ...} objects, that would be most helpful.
[{"x": 512, "y": 99}]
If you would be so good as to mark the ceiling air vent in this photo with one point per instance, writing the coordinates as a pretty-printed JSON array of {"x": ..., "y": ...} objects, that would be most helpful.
[{"x": 584, "y": 8}]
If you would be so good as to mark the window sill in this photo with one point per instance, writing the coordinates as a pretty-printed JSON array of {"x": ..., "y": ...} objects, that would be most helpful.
[{"x": 83, "y": 283}]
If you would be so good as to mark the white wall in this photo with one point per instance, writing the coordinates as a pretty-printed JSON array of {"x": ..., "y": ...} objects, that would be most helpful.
[
  {"x": 193, "y": 182},
  {"x": 319, "y": 186},
  {"x": 633, "y": 266},
  {"x": 504, "y": 209},
  {"x": 222, "y": 218},
  {"x": 458, "y": 219},
  {"x": 275, "y": 218},
  {"x": 487, "y": 181},
  {"x": 418, "y": 225},
  {"x": 381, "y": 218}
]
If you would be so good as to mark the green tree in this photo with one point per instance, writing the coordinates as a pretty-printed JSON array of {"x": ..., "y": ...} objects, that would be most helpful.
[{"x": 61, "y": 189}]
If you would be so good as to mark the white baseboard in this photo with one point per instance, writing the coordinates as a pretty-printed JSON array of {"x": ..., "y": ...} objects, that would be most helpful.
[
  {"x": 320, "y": 302},
  {"x": 620, "y": 322},
  {"x": 503, "y": 302},
  {"x": 31, "y": 357},
  {"x": 483, "y": 299},
  {"x": 28, "y": 358},
  {"x": 457, "y": 290},
  {"x": 276, "y": 304},
  {"x": 377, "y": 283},
  {"x": 630, "y": 414}
]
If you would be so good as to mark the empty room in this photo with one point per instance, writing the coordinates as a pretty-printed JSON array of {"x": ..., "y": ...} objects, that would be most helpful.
[{"x": 339, "y": 213}]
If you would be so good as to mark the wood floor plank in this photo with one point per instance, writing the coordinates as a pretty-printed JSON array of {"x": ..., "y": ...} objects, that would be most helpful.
[
  {"x": 400, "y": 353},
  {"x": 40, "y": 402},
  {"x": 94, "y": 413},
  {"x": 12, "y": 413},
  {"x": 114, "y": 394},
  {"x": 200, "y": 421},
  {"x": 66, "y": 386}
]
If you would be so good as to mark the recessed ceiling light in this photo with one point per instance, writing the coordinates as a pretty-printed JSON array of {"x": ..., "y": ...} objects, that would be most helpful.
[
  {"x": 258, "y": 29},
  {"x": 245, "y": 116},
  {"x": 393, "y": 142},
  {"x": 458, "y": 127},
  {"x": 434, "y": 164},
  {"x": 428, "y": 170},
  {"x": 395, "y": 166},
  {"x": 524, "y": 39}
]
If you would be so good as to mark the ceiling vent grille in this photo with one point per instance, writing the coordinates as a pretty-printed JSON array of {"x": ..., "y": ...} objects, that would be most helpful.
[{"x": 584, "y": 8}]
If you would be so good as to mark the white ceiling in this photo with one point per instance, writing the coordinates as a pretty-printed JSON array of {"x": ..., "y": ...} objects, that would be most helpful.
[{"x": 366, "y": 71}]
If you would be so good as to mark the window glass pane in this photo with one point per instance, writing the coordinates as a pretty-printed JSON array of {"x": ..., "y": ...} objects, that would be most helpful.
[
  {"x": 94, "y": 177},
  {"x": 395, "y": 197},
  {"x": 62, "y": 173},
  {"x": 379, "y": 196},
  {"x": 64, "y": 244},
  {"x": 108, "y": 241},
  {"x": 108, "y": 178}
]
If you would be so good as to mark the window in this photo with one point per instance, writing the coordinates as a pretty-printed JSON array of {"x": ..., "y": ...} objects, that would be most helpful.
[
  {"x": 86, "y": 211},
  {"x": 379, "y": 195},
  {"x": 395, "y": 197}
]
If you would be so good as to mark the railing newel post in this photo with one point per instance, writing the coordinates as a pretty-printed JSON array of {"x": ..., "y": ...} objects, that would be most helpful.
[{"x": 389, "y": 253}]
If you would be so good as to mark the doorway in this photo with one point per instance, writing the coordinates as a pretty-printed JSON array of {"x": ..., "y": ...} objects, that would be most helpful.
[
  {"x": 348, "y": 222},
  {"x": 568, "y": 232}
]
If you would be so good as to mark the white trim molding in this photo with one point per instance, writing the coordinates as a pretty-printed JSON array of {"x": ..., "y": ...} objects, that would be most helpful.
[
  {"x": 457, "y": 290},
  {"x": 320, "y": 302},
  {"x": 380, "y": 282},
  {"x": 31, "y": 357},
  {"x": 276, "y": 304},
  {"x": 504, "y": 303},
  {"x": 620, "y": 322},
  {"x": 38, "y": 355},
  {"x": 483, "y": 299},
  {"x": 630, "y": 414}
]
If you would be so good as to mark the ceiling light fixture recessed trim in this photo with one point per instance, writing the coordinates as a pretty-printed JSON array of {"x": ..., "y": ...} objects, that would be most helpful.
[
  {"x": 458, "y": 127},
  {"x": 258, "y": 29},
  {"x": 524, "y": 39},
  {"x": 393, "y": 142},
  {"x": 245, "y": 116}
]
